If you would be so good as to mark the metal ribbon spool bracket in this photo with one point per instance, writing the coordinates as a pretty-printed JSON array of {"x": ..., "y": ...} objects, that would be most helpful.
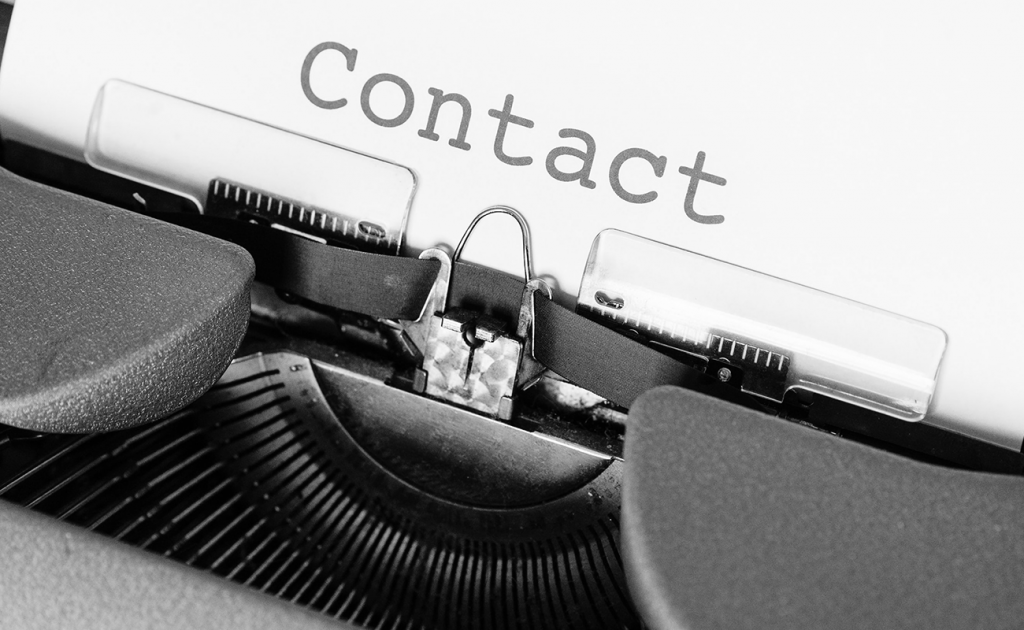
[{"x": 470, "y": 358}]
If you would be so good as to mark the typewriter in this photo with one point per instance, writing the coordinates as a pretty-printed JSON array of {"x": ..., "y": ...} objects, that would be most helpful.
[{"x": 236, "y": 393}]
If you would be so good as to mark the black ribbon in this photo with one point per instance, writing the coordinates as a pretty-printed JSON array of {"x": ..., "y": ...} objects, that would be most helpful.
[
  {"x": 580, "y": 350},
  {"x": 391, "y": 287}
]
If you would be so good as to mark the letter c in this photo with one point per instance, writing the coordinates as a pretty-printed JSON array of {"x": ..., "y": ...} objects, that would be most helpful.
[
  {"x": 307, "y": 65},
  {"x": 658, "y": 163}
]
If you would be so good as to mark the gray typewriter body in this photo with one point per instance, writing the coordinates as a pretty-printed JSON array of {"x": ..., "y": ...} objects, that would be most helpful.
[{"x": 195, "y": 434}]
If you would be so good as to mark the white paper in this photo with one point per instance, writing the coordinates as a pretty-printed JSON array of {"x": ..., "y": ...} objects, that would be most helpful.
[{"x": 870, "y": 149}]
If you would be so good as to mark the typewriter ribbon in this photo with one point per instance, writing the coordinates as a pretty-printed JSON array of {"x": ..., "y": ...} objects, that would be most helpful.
[{"x": 393, "y": 287}]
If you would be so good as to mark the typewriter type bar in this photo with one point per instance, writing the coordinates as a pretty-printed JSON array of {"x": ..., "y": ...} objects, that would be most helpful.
[
  {"x": 293, "y": 182},
  {"x": 770, "y": 334}
]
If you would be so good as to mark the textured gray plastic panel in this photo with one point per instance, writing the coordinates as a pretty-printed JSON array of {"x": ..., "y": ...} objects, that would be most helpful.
[
  {"x": 109, "y": 319},
  {"x": 733, "y": 519},
  {"x": 55, "y": 575}
]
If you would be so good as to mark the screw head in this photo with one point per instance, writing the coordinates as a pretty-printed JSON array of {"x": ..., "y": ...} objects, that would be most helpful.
[{"x": 724, "y": 374}]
